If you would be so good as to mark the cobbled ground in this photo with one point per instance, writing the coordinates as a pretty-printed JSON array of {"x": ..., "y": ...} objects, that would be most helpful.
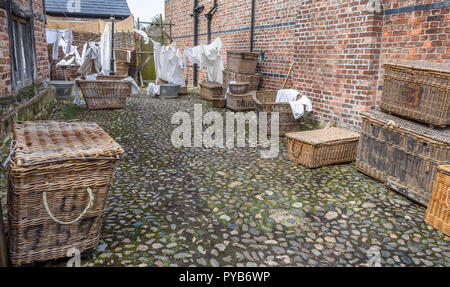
[{"x": 218, "y": 207}]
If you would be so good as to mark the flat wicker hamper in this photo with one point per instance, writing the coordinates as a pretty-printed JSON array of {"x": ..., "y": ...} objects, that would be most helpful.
[
  {"x": 318, "y": 148},
  {"x": 438, "y": 211},
  {"x": 122, "y": 69},
  {"x": 402, "y": 154},
  {"x": 242, "y": 62},
  {"x": 209, "y": 90},
  {"x": 58, "y": 182},
  {"x": 265, "y": 101},
  {"x": 418, "y": 91},
  {"x": 105, "y": 94}
]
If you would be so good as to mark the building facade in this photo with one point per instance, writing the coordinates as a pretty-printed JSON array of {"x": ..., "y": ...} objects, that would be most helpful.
[{"x": 338, "y": 47}]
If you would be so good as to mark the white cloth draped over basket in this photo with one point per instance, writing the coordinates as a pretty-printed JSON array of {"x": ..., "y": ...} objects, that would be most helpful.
[{"x": 298, "y": 106}]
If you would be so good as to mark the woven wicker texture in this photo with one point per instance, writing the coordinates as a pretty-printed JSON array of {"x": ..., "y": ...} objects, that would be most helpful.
[
  {"x": 241, "y": 103},
  {"x": 242, "y": 62},
  {"x": 65, "y": 167},
  {"x": 417, "y": 92},
  {"x": 105, "y": 94},
  {"x": 254, "y": 80},
  {"x": 402, "y": 154},
  {"x": 438, "y": 211},
  {"x": 210, "y": 90},
  {"x": 318, "y": 148},
  {"x": 122, "y": 69},
  {"x": 109, "y": 78},
  {"x": 265, "y": 101}
]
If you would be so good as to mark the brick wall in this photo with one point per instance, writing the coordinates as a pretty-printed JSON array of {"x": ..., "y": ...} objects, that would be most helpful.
[
  {"x": 338, "y": 46},
  {"x": 5, "y": 62},
  {"x": 40, "y": 44}
]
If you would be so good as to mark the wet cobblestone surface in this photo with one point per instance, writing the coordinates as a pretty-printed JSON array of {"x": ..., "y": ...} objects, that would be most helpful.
[{"x": 217, "y": 207}]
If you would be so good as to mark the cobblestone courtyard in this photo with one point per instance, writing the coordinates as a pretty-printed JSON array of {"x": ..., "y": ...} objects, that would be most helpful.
[{"x": 219, "y": 207}]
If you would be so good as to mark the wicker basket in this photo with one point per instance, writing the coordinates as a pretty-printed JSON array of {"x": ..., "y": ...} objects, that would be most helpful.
[
  {"x": 101, "y": 95},
  {"x": 438, "y": 211},
  {"x": 122, "y": 69},
  {"x": 239, "y": 88},
  {"x": 265, "y": 101},
  {"x": 242, "y": 62},
  {"x": 241, "y": 103},
  {"x": 219, "y": 102},
  {"x": 58, "y": 183},
  {"x": 402, "y": 154},
  {"x": 420, "y": 92},
  {"x": 254, "y": 80},
  {"x": 209, "y": 90},
  {"x": 317, "y": 148},
  {"x": 109, "y": 78}
]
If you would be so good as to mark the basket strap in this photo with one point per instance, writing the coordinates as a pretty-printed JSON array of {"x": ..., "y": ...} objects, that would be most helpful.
[{"x": 91, "y": 202}]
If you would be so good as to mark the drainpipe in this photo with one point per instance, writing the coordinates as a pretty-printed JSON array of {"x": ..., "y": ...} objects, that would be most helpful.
[
  {"x": 252, "y": 27},
  {"x": 112, "y": 70},
  {"x": 197, "y": 10},
  {"x": 209, "y": 17}
]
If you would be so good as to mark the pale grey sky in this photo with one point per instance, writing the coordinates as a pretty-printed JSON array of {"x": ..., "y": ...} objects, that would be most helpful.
[{"x": 146, "y": 9}]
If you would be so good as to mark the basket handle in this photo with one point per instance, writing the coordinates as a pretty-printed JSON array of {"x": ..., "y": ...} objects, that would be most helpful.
[
  {"x": 447, "y": 199},
  {"x": 291, "y": 147},
  {"x": 91, "y": 202}
]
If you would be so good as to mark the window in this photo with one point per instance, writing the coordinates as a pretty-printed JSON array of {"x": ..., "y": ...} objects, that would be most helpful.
[{"x": 22, "y": 49}]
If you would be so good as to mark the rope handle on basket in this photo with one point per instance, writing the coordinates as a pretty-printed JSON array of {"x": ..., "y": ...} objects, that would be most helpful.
[
  {"x": 446, "y": 200},
  {"x": 291, "y": 148},
  {"x": 12, "y": 149},
  {"x": 91, "y": 202}
]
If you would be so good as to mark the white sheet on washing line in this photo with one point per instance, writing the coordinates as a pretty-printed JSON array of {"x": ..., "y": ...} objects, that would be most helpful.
[
  {"x": 208, "y": 56},
  {"x": 168, "y": 64}
]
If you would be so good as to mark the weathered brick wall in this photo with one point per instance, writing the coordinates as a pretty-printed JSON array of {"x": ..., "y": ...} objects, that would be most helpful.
[
  {"x": 5, "y": 62},
  {"x": 40, "y": 44},
  {"x": 338, "y": 46}
]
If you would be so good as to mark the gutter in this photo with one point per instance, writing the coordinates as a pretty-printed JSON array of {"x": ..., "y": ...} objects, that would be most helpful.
[
  {"x": 252, "y": 27},
  {"x": 197, "y": 10}
]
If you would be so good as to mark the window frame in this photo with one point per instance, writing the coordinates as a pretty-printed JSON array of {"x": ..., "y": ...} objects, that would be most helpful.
[{"x": 23, "y": 61}]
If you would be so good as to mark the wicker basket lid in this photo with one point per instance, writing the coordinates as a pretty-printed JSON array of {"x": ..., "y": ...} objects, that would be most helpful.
[
  {"x": 210, "y": 85},
  {"x": 53, "y": 141},
  {"x": 441, "y": 135},
  {"x": 423, "y": 65},
  {"x": 245, "y": 53},
  {"x": 324, "y": 136}
]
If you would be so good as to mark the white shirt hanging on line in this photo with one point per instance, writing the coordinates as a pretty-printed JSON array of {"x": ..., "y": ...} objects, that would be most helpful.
[{"x": 54, "y": 36}]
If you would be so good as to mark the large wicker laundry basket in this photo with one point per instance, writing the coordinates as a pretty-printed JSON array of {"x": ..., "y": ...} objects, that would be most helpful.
[
  {"x": 419, "y": 91},
  {"x": 109, "y": 94},
  {"x": 242, "y": 62},
  {"x": 58, "y": 183},
  {"x": 438, "y": 212},
  {"x": 241, "y": 103},
  {"x": 265, "y": 101},
  {"x": 318, "y": 148},
  {"x": 402, "y": 154}
]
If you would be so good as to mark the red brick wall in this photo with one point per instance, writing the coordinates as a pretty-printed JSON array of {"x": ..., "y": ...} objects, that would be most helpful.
[
  {"x": 338, "y": 46},
  {"x": 40, "y": 44},
  {"x": 5, "y": 63}
]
